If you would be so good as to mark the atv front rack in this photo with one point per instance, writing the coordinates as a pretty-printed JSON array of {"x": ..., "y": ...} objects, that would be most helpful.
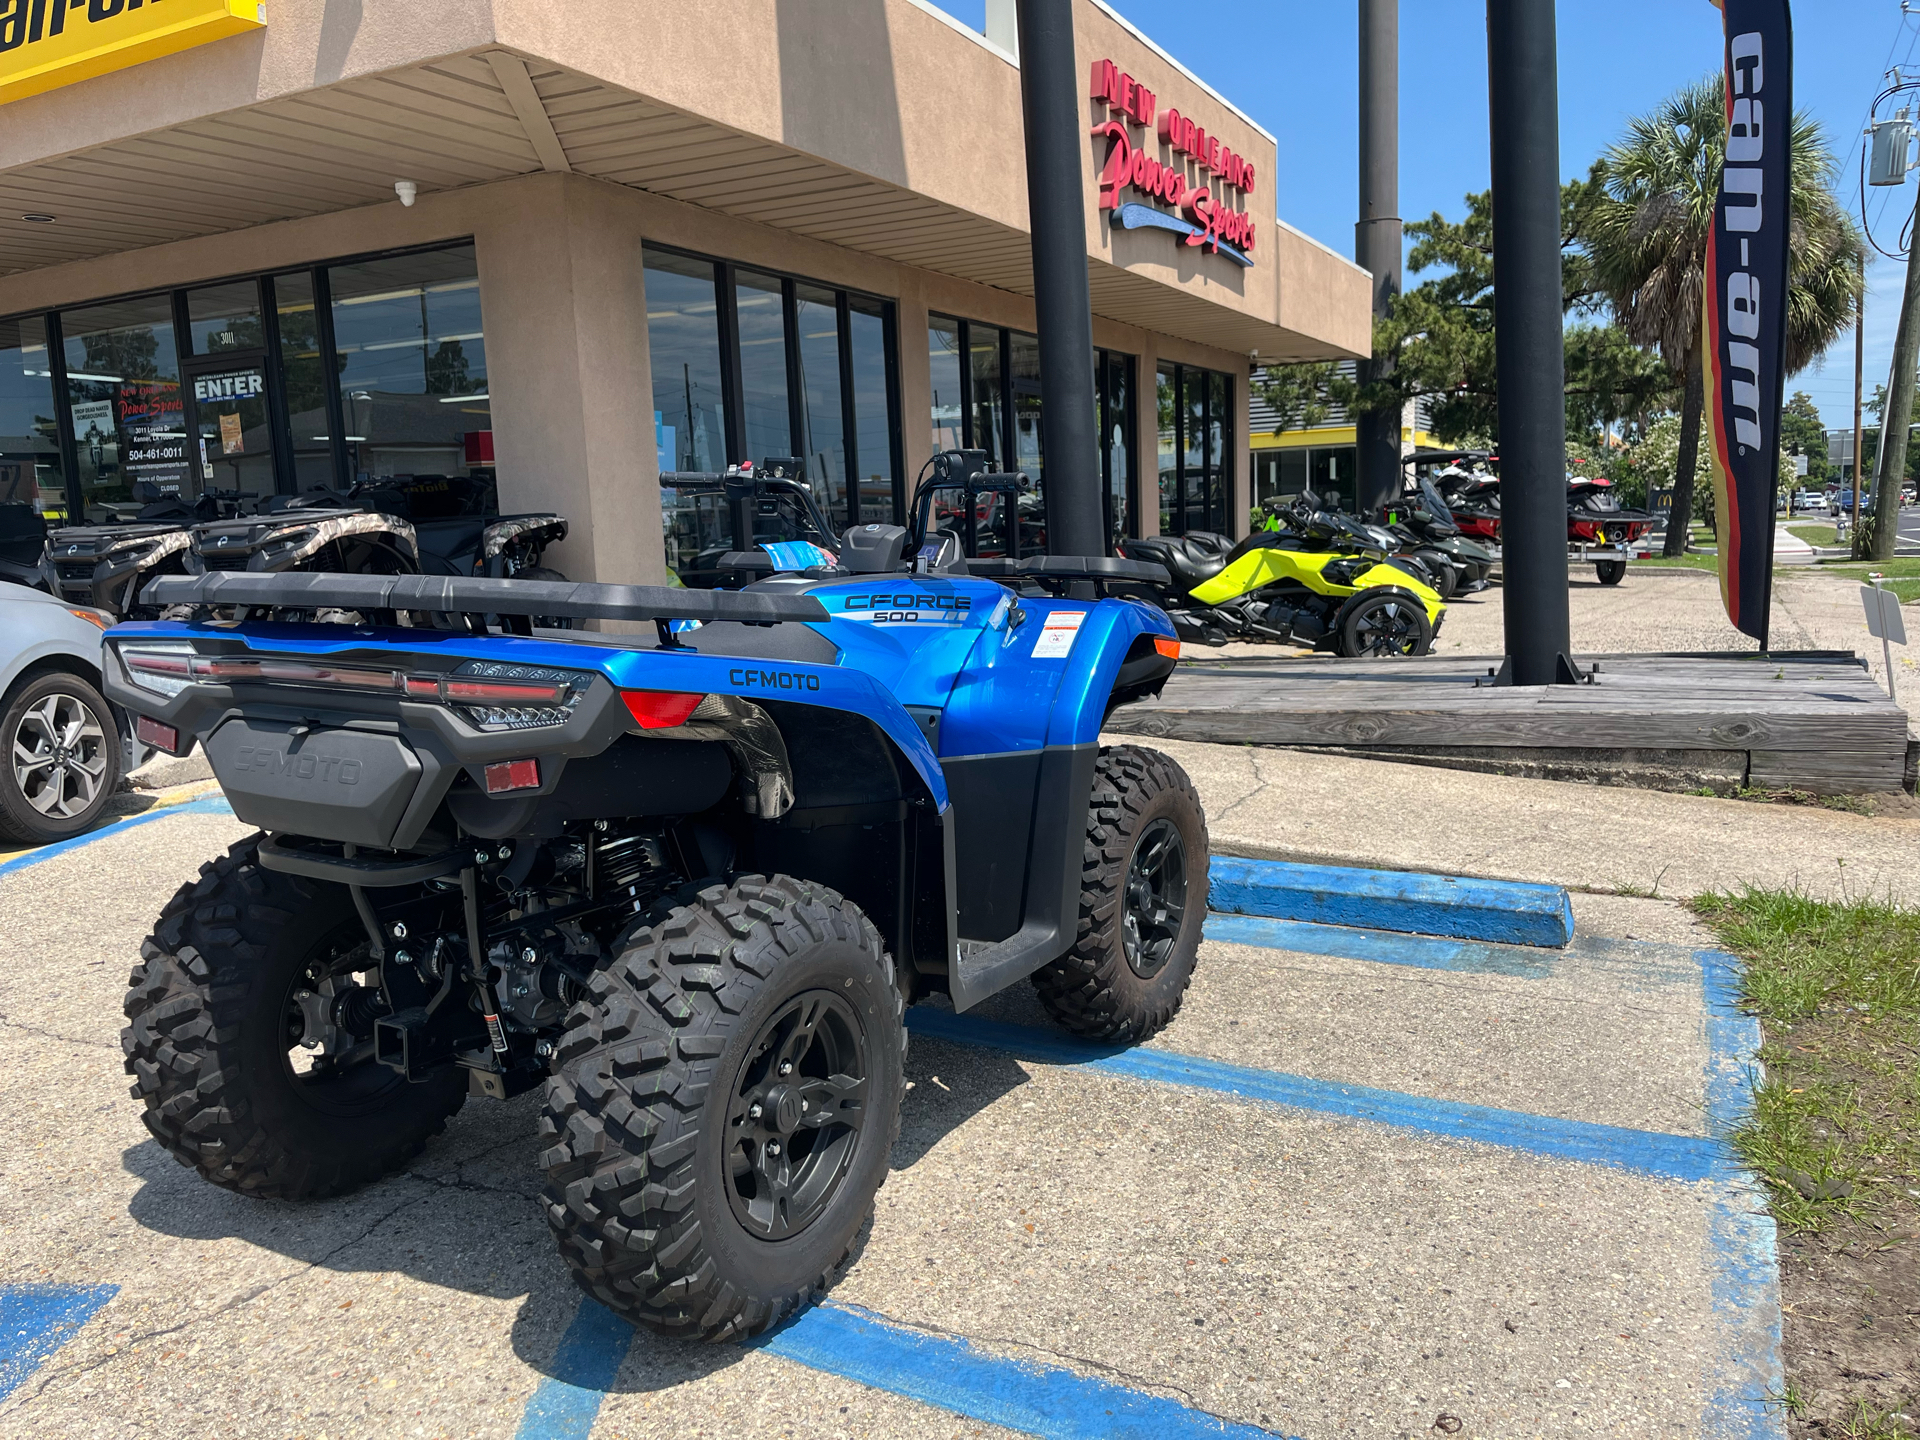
[{"x": 473, "y": 598}]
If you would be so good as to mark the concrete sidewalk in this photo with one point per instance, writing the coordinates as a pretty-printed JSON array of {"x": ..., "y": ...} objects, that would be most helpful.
[{"x": 1331, "y": 809}]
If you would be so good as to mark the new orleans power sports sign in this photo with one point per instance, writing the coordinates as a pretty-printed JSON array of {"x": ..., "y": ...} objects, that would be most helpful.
[{"x": 45, "y": 44}]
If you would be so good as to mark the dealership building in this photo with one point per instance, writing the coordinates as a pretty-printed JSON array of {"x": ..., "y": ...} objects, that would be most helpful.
[{"x": 563, "y": 245}]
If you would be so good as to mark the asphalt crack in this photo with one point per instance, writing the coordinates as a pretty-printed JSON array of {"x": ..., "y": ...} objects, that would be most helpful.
[
  {"x": 46, "y": 1034},
  {"x": 48, "y": 1378}
]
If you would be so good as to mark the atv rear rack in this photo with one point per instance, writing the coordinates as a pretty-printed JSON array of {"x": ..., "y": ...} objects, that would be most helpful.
[
  {"x": 473, "y": 598},
  {"x": 1062, "y": 572}
]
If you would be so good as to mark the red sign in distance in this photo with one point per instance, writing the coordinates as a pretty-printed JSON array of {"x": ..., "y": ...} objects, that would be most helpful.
[{"x": 1130, "y": 165}]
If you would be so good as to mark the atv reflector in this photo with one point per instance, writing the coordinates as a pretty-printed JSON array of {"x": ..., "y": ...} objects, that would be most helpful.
[
  {"x": 152, "y": 732},
  {"x": 1168, "y": 648},
  {"x": 660, "y": 709},
  {"x": 510, "y": 775}
]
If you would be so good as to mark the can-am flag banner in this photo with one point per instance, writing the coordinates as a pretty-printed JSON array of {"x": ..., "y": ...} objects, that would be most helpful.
[{"x": 1744, "y": 319}]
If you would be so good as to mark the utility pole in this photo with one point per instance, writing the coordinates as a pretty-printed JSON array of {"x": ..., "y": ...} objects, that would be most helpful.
[
  {"x": 1530, "y": 354},
  {"x": 1377, "y": 236},
  {"x": 1859, "y": 425},
  {"x": 1056, "y": 211},
  {"x": 1899, "y": 412}
]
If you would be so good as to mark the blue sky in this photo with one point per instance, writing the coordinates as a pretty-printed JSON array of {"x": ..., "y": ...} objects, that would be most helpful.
[{"x": 1291, "y": 64}]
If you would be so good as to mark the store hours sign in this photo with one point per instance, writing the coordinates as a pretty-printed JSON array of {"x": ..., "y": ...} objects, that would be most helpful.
[{"x": 1171, "y": 161}]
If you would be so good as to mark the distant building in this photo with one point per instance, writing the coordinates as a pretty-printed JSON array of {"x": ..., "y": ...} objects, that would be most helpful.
[{"x": 1319, "y": 457}]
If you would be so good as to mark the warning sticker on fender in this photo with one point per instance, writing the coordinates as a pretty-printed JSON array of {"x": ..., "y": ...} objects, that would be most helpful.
[{"x": 1057, "y": 634}]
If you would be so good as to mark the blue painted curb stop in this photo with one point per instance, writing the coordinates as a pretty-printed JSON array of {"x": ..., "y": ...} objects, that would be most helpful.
[{"x": 1505, "y": 912}]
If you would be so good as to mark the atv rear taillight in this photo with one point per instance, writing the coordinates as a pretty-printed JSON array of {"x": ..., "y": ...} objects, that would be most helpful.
[
  {"x": 660, "y": 709},
  {"x": 491, "y": 694},
  {"x": 511, "y": 775}
]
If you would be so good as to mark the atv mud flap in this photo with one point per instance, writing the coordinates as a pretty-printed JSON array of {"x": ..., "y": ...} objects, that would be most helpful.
[{"x": 1055, "y": 857}]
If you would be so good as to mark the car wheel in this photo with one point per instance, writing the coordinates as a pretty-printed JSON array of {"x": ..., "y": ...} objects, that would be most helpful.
[
  {"x": 1382, "y": 622},
  {"x": 61, "y": 758}
]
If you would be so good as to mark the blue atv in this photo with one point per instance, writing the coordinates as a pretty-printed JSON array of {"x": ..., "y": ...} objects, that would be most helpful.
[{"x": 687, "y": 879}]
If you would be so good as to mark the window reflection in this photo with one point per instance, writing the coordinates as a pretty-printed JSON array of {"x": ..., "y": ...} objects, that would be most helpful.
[
  {"x": 872, "y": 412},
  {"x": 683, "y": 340},
  {"x": 1196, "y": 449},
  {"x": 412, "y": 360},
  {"x": 30, "y": 478},
  {"x": 303, "y": 381},
  {"x": 763, "y": 367},
  {"x": 816, "y": 317}
]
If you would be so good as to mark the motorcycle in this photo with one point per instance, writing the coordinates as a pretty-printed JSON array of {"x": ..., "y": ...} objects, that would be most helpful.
[
  {"x": 1321, "y": 580},
  {"x": 1422, "y": 514}
]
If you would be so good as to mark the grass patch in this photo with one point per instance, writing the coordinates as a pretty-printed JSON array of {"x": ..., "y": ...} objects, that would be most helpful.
[
  {"x": 1835, "y": 1131},
  {"x": 1903, "y": 576},
  {"x": 1682, "y": 562},
  {"x": 1813, "y": 534}
]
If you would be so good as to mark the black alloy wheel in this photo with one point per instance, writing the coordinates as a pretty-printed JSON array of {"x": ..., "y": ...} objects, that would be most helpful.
[
  {"x": 1156, "y": 898},
  {"x": 1611, "y": 572},
  {"x": 794, "y": 1119},
  {"x": 1384, "y": 622}
]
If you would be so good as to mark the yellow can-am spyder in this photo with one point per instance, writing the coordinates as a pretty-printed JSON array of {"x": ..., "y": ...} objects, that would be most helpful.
[{"x": 1320, "y": 580}]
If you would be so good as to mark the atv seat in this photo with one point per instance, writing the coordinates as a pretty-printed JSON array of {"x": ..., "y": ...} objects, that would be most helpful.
[{"x": 1189, "y": 560}]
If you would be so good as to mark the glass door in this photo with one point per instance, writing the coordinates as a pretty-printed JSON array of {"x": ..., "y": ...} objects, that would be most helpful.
[{"x": 229, "y": 435}]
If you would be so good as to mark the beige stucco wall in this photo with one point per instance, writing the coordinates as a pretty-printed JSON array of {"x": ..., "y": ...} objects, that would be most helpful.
[{"x": 881, "y": 88}]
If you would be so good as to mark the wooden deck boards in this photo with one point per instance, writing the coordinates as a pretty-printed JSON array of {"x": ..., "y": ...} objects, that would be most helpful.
[{"x": 1809, "y": 720}]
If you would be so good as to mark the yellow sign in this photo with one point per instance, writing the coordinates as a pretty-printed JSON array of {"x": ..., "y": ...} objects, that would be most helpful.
[{"x": 45, "y": 44}]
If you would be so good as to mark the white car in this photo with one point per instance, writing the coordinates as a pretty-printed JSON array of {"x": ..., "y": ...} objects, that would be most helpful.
[
  {"x": 1810, "y": 502},
  {"x": 61, "y": 746}
]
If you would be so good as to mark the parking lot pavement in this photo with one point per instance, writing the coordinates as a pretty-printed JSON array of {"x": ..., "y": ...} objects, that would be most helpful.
[
  {"x": 1276, "y": 803},
  {"x": 1365, "y": 1181}
]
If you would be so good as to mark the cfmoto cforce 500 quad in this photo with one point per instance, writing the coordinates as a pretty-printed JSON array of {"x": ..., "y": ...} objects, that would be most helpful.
[{"x": 686, "y": 883}]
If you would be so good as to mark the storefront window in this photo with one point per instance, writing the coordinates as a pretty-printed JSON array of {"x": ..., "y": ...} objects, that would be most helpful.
[
  {"x": 763, "y": 367},
  {"x": 943, "y": 357},
  {"x": 1114, "y": 396},
  {"x": 816, "y": 317},
  {"x": 872, "y": 459},
  {"x": 30, "y": 477},
  {"x": 1001, "y": 384},
  {"x": 987, "y": 422},
  {"x": 226, "y": 317},
  {"x": 750, "y": 366},
  {"x": 123, "y": 384},
  {"x": 683, "y": 340},
  {"x": 412, "y": 359},
  {"x": 1196, "y": 449},
  {"x": 303, "y": 381},
  {"x": 1279, "y": 474}
]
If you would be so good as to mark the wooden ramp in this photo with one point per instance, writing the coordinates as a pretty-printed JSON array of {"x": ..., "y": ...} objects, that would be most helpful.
[{"x": 1805, "y": 720}]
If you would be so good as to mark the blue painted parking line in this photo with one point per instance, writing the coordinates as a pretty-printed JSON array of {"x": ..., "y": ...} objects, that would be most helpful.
[
  {"x": 1649, "y": 961},
  {"x": 1650, "y": 1152},
  {"x": 567, "y": 1401},
  {"x": 210, "y": 804},
  {"x": 36, "y": 1320},
  {"x": 1449, "y": 905},
  {"x": 1742, "y": 1255},
  {"x": 858, "y": 1345},
  {"x": 957, "y": 1376}
]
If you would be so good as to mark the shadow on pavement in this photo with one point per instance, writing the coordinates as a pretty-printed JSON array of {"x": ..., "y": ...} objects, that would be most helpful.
[{"x": 466, "y": 1216}]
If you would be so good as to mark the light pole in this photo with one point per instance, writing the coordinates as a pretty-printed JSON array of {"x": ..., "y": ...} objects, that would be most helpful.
[
  {"x": 1056, "y": 211},
  {"x": 1377, "y": 236},
  {"x": 1530, "y": 358}
]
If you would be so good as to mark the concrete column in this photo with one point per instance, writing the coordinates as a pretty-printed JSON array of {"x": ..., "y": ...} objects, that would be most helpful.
[
  {"x": 916, "y": 376},
  {"x": 564, "y": 299}
]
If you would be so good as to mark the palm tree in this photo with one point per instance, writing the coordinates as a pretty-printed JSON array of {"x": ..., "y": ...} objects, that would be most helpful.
[{"x": 1649, "y": 244}]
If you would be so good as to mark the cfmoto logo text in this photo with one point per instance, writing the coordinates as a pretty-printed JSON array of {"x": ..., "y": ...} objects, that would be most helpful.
[
  {"x": 323, "y": 768},
  {"x": 772, "y": 679}
]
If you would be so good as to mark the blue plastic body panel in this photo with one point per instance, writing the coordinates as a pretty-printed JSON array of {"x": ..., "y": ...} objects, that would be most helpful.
[{"x": 961, "y": 646}]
